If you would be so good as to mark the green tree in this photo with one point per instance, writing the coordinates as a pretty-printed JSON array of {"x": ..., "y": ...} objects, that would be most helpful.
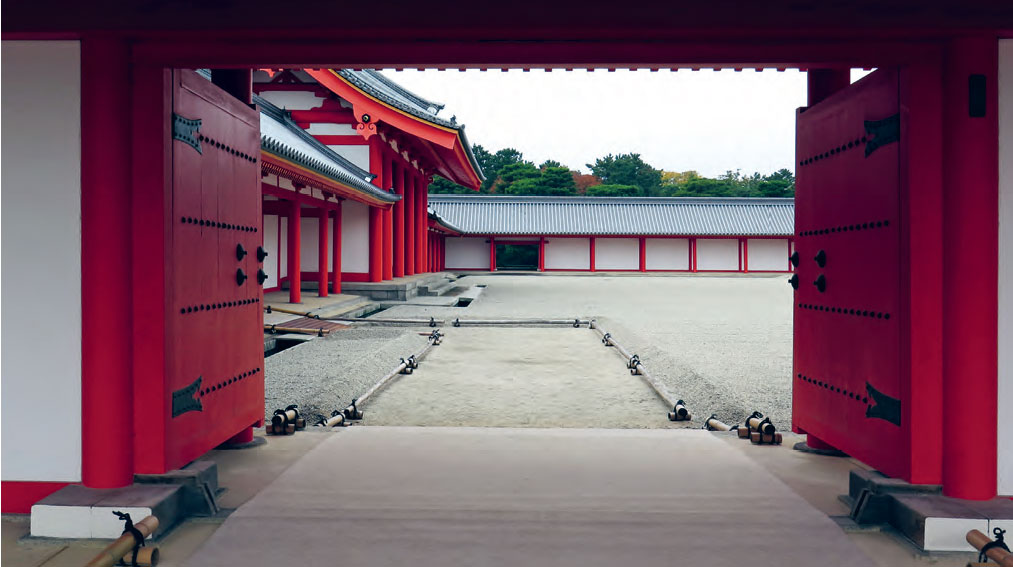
[
  {"x": 628, "y": 169},
  {"x": 606, "y": 190},
  {"x": 550, "y": 163}
]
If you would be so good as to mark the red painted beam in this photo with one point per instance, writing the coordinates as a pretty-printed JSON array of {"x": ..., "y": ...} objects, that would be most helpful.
[
  {"x": 322, "y": 258},
  {"x": 294, "y": 252},
  {"x": 970, "y": 280},
  {"x": 107, "y": 437}
]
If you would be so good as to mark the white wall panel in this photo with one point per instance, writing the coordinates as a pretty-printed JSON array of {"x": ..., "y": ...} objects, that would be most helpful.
[
  {"x": 283, "y": 247},
  {"x": 41, "y": 260},
  {"x": 617, "y": 254},
  {"x": 330, "y": 129},
  {"x": 308, "y": 243},
  {"x": 1005, "y": 397},
  {"x": 271, "y": 246},
  {"x": 359, "y": 155},
  {"x": 767, "y": 255},
  {"x": 467, "y": 253},
  {"x": 354, "y": 237},
  {"x": 293, "y": 100},
  {"x": 568, "y": 254},
  {"x": 717, "y": 254},
  {"x": 667, "y": 253}
]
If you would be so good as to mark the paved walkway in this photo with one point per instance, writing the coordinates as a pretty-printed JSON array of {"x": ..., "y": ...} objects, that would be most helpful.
[{"x": 379, "y": 496}]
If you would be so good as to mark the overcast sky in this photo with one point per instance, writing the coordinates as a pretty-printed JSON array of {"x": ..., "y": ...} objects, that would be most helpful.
[{"x": 709, "y": 121}]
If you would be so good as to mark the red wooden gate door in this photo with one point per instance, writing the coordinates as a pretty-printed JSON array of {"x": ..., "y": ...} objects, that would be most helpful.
[
  {"x": 215, "y": 353},
  {"x": 848, "y": 379}
]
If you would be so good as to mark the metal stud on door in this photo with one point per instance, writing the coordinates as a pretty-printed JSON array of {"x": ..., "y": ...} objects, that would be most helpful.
[{"x": 847, "y": 372}]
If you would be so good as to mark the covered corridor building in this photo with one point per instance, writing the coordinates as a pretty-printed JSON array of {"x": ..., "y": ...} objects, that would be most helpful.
[{"x": 621, "y": 233}]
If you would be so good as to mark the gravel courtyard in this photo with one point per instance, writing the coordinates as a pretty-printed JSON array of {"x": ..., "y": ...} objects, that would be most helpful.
[{"x": 721, "y": 343}]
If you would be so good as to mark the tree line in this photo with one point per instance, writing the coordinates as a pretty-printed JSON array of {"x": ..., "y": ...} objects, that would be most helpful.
[{"x": 623, "y": 175}]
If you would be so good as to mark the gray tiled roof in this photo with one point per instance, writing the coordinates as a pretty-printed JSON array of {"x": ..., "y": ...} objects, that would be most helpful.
[
  {"x": 436, "y": 216},
  {"x": 483, "y": 214},
  {"x": 375, "y": 84},
  {"x": 282, "y": 137}
]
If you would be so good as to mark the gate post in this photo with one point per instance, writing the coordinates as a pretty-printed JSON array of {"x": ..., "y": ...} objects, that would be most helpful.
[
  {"x": 970, "y": 278},
  {"x": 107, "y": 437}
]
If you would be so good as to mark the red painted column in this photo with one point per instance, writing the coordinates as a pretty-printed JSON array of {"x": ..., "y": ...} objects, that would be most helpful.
[
  {"x": 322, "y": 215},
  {"x": 591, "y": 253},
  {"x": 294, "y": 253},
  {"x": 388, "y": 220},
  {"x": 692, "y": 254},
  {"x": 420, "y": 225},
  {"x": 398, "y": 175},
  {"x": 743, "y": 255},
  {"x": 425, "y": 222},
  {"x": 541, "y": 254},
  {"x": 375, "y": 244},
  {"x": 409, "y": 222},
  {"x": 822, "y": 83},
  {"x": 107, "y": 381},
  {"x": 492, "y": 254},
  {"x": 643, "y": 254},
  {"x": 970, "y": 277},
  {"x": 336, "y": 275}
]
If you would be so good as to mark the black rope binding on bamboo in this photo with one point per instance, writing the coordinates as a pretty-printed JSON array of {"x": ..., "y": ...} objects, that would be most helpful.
[{"x": 128, "y": 528}]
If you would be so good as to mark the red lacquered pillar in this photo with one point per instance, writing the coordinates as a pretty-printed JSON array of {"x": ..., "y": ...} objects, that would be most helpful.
[
  {"x": 492, "y": 254},
  {"x": 420, "y": 225},
  {"x": 398, "y": 228},
  {"x": 294, "y": 252},
  {"x": 643, "y": 254},
  {"x": 388, "y": 220},
  {"x": 970, "y": 280},
  {"x": 322, "y": 251},
  {"x": 107, "y": 437},
  {"x": 541, "y": 254},
  {"x": 591, "y": 251},
  {"x": 409, "y": 221}
]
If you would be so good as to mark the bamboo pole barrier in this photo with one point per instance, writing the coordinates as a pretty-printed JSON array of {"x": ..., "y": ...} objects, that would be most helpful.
[
  {"x": 286, "y": 421},
  {"x": 337, "y": 419},
  {"x": 273, "y": 329},
  {"x": 353, "y": 411},
  {"x": 979, "y": 540},
  {"x": 124, "y": 545},
  {"x": 679, "y": 411},
  {"x": 713, "y": 424}
]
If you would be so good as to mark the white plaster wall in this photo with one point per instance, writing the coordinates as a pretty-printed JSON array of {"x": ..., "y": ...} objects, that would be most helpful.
[
  {"x": 359, "y": 155},
  {"x": 568, "y": 253},
  {"x": 1005, "y": 397},
  {"x": 308, "y": 243},
  {"x": 717, "y": 254},
  {"x": 617, "y": 254},
  {"x": 283, "y": 247},
  {"x": 271, "y": 246},
  {"x": 467, "y": 253},
  {"x": 40, "y": 172},
  {"x": 293, "y": 100},
  {"x": 354, "y": 237},
  {"x": 667, "y": 253},
  {"x": 767, "y": 255},
  {"x": 330, "y": 129}
]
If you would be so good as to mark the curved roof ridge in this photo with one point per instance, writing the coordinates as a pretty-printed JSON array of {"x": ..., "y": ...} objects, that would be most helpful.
[{"x": 425, "y": 103}]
